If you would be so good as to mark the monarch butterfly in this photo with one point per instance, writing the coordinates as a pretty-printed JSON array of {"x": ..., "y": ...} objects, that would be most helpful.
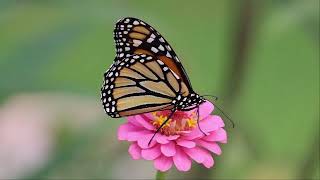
[{"x": 146, "y": 74}]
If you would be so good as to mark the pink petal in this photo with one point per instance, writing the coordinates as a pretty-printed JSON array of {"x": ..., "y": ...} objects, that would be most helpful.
[
  {"x": 144, "y": 122},
  {"x": 207, "y": 158},
  {"x": 205, "y": 109},
  {"x": 132, "y": 121},
  {"x": 134, "y": 136},
  {"x": 148, "y": 116},
  {"x": 209, "y": 124},
  {"x": 151, "y": 153},
  {"x": 135, "y": 151},
  {"x": 144, "y": 140},
  {"x": 224, "y": 141},
  {"x": 186, "y": 143},
  {"x": 173, "y": 137},
  {"x": 182, "y": 161},
  {"x": 211, "y": 146},
  {"x": 168, "y": 149},
  {"x": 124, "y": 129},
  {"x": 218, "y": 120},
  {"x": 161, "y": 139},
  {"x": 184, "y": 132},
  {"x": 163, "y": 163},
  {"x": 219, "y": 135},
  {"x": 196, "y": 154},
  {"x": 193, "y": 134},
  {"x": 196, "y": 133},
  {"x": 208, "y": 162},
  {"x": 122, "y": 132}
]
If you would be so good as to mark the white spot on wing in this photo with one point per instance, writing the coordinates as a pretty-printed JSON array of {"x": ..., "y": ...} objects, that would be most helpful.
[
  {"x": 161, "y": 47},
  {"x": 160, "y": 62},
  {"x": 161, "y": 39},
  {"x": 153, "y": 49},
  {"x": 136, "y": 42},
  {"x": 136, "y": 57},
  {"x": 150, "y": 40}
]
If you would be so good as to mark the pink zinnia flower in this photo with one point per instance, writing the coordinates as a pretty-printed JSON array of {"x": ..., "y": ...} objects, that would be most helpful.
[{"x": 179, "y": 141}]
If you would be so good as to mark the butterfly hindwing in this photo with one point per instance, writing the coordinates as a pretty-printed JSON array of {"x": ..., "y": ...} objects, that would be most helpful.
[
  {"x": 139, "y": 84},
  {"x": 133, "y": 36}
]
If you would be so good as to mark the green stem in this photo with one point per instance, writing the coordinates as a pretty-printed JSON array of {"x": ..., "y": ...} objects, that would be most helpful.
[{"x": 160, "y": 175}]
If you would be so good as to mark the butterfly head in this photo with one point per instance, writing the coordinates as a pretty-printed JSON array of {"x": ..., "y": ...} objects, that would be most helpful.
[{"x": 188, "y": 102}]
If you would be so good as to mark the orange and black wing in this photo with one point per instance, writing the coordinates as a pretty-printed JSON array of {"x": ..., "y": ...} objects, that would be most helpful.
[
  {"x": 133, "y": 36},
  {"x": 140, "y": 84}
]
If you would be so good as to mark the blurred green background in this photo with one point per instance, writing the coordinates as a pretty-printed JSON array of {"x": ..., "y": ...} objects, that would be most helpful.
[{"x": 260, "y": 57}]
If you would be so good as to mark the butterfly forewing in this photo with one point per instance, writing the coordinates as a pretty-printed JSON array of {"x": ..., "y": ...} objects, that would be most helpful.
[
  {"x": 133, "y": 36},
  {"x": 139, "y": 84}
]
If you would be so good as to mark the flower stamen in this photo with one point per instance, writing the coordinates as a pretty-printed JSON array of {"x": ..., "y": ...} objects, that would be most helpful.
[{"x": 180, "y": 122}]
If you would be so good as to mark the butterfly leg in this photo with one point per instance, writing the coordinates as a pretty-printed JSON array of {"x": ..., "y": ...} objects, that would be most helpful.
[
  {"x": 198, "y": 114},
  {"x": 171, "y": 114}
]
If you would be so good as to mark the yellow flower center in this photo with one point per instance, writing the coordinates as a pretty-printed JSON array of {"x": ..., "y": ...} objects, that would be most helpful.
[{"x": 178, "y": 123}]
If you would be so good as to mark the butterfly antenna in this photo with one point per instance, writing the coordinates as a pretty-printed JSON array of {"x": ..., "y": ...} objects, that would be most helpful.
[
  {"x": 198, "y": 114},
  {"x": 220, "y": 109},
  {"x": 171, "y": 114},
  {"x": 225, "y": 115},
  {"x": 215, "y": 97}
]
